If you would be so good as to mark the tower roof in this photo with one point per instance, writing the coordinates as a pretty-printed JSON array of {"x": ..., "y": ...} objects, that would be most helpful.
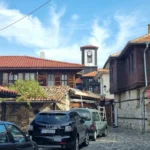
[{"x": 89, "y": 46}]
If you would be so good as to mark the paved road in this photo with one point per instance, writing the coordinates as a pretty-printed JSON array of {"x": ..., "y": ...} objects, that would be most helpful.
[{"x": 120, "y": 139}]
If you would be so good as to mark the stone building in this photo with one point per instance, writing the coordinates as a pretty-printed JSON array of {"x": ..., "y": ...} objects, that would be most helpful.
[
  {"x": 129, "y": 80},
  {"x": 59, "y": 97}
]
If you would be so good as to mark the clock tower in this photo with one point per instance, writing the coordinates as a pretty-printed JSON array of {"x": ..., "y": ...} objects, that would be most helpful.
[{"x": 89, "y": 58}]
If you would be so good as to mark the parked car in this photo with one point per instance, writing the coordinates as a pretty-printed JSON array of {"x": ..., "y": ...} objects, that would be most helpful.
[
  {"x": 95, "y": 124},
  {"x": 12, "y": 138},
  {"x": 59, "y": 129}
]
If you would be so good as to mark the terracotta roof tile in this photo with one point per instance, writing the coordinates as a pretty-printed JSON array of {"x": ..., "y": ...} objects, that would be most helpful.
[
  {"x": 32, "y": 62},
  {"x": 89, "y": 46},
  {"x": 142, "y": 39},
  {"x": 103, "y": 70},
  {"x": 6, "y": 90},
  {"x": 78, "y": 80},
  {"x": 90, "y": 74},
  {"x": 57, "y": 93}
]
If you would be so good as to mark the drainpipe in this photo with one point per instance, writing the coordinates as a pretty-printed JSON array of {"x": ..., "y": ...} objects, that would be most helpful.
[
  {"x": 145, "y": 66},
  {"x": 146, "y": 85}
]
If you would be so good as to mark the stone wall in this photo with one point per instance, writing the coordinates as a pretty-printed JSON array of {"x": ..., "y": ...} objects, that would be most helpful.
[
  {"x": 22, "y": 114},
  {"x": 130, "y": 110}
]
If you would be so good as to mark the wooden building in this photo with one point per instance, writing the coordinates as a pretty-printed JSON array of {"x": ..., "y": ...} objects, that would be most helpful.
[
  {"x": 128, "y": 81},
  {"x": 46, "y": 72}
]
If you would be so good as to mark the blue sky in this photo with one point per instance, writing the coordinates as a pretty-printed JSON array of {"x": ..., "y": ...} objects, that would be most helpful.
[{"x": 62, "y": 26}]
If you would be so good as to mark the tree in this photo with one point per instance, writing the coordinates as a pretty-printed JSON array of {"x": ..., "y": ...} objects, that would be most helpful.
[{"x": 28, "y": 89}]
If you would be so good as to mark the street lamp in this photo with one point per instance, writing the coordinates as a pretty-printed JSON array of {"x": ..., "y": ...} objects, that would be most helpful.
[{"x": 105, "y": 89}]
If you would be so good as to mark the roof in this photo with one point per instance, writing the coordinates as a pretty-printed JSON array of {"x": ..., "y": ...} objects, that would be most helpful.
[
  {"x": 142, "y": 39},
  {"x": 112, "y": 56},
  {"x": 32, "y": 62},
  {"x": 5, "y": 92},
  {"x": 78, "y": 80},
  {"x": 90, "y": 74},
  {"x": 57, "y": 93},
  {"x": 103, "y": 70},
  {"x": 100, "y": 72},
  {"x": 89, "y": 46}
]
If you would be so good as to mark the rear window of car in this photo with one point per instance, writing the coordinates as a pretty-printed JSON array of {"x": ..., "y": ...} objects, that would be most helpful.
[
  {"x": 85, "y": 114},
  {"x": 52, "y": 118}
]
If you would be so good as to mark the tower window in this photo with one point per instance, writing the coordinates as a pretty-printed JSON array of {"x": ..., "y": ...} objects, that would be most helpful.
[{"x": 89, "y": 56}]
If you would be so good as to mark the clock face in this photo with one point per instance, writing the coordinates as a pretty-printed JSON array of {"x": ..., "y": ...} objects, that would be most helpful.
[{"x": 89, "y": 53}]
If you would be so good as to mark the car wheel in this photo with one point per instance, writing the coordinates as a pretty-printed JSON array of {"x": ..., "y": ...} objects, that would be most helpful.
[
  {"x": 76, "y": 144},
  {"x": 105, "y": 132},
  {"x": 86, "y": 141},
  {"x": 94, "y": 136}
]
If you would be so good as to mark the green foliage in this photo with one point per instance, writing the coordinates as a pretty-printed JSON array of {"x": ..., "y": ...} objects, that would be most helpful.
[{"x": 28, "y": 90}]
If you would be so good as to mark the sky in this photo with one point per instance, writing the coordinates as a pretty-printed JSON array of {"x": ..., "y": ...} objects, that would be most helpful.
[{"x": 63, "y": 26}]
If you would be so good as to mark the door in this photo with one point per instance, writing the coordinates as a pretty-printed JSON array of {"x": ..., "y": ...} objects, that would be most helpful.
[
  {"x": 5, "y": 142},
  {"x": 81, "y": 128},
  {"x": 19, "y": 139},
  {"x": 97, "y": 122}
]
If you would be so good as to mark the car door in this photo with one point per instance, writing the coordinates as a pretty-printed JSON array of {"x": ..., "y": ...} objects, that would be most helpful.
[
  {"x": 81, "y": 127},
  {"x": 5, "y": 142},
  {"x": 19, "y": 139},
  {"x": 97, "y": 122}
]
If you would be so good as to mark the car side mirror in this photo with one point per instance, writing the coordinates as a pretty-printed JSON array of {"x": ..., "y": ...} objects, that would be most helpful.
[
  {"x": 82, "y": 121},
  {"x": 28, "y": 138}
]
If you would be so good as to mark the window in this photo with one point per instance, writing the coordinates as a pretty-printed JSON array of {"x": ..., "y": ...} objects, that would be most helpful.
[
  {"x": 96, "y": 116},
  {"x": 132, "y": 63},
  {"x": 129, "y": 65},
  {"x": 119, "y": 101},
  {"x": 20, "y": 76},
  {"x": 17, "y": 134},
  {"x": 89, "y": 56},
  {"x": 12, "y": 78},
  {"x": 72, "y": 116},
  {"x": 85, "y": 114},
  {"x": 91, "y": 88},
  {"x": 5, "y": 79},
  {"x": 138, "y": 98},
  {"x": 3, "y": 134},
  {"x": 52, "y": 118},
  {"x": 50, "y": 80},
  {"x": 29, "y": 76},
  {"x": 90, "y": 80},
  {"x": 64, "y": 79},
  {"x": 112, "y": 74},
  {"x": 89, "y": 59}
]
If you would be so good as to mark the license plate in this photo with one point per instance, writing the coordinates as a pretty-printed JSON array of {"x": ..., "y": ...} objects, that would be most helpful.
[{"x": 47, "y": 131}]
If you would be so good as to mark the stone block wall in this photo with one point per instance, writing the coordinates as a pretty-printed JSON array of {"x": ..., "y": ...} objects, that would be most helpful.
[
  {"x": 22, "y": 114},
  {"x": 130, "y": 110}
]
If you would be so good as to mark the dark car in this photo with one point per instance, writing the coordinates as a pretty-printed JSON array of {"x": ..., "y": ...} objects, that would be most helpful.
[
  {"x": 59, "y": 129},
  {"x": 12, "y": 138}
]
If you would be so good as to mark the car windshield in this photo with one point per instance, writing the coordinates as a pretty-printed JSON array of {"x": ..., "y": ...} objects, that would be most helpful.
[
  {"x": 85, "y": 114},
  {"x": 58, "y": 118}
]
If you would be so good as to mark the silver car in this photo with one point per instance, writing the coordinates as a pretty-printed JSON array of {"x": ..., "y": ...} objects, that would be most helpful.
[{"x": 95, "y": 124}]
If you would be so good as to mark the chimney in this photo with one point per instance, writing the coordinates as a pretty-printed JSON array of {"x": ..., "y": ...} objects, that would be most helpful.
[
  {"x": 148, "y": 28},
  {"x": 42, "y": 55}
]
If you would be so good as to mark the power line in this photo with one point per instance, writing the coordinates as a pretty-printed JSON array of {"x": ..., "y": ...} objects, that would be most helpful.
[{"x": 25, "y": 16}]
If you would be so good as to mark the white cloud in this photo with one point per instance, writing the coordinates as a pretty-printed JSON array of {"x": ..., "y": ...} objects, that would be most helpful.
[{"x": 55, "y": 40}]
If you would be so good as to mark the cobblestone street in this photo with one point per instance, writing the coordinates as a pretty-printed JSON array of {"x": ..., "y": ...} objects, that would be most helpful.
[{"x": 119, "y": 139}]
